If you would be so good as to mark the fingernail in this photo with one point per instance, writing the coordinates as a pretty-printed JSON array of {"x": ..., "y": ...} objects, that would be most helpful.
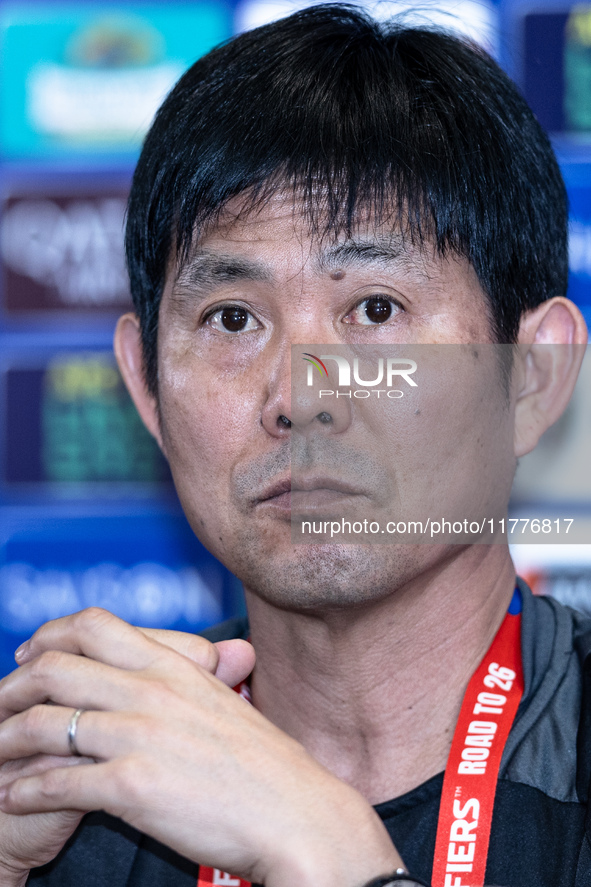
[{"x": 20, "y": 652}]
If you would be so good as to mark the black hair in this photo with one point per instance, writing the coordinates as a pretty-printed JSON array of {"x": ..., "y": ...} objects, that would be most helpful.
[{"x": 419, "y": 128}]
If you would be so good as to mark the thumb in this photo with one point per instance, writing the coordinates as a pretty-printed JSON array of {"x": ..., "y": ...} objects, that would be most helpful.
[
  {"x": 237, "y": 658},
  {"x": 231, "y": 661}
]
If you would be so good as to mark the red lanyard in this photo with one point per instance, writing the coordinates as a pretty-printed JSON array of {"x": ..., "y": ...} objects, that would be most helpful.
[{"x": 470, "y": 782}]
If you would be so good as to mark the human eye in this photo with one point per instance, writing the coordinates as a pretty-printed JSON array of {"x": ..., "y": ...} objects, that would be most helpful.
[
  {"x": 232, "y": 319},
  {"x": 373, "y": 310}
]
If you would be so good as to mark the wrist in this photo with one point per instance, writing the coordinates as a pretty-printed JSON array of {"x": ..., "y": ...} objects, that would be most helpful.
[{"x": 349, "y": 848}]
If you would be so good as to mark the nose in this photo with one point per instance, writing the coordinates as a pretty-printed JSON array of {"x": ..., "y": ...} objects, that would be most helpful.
[{"x": 295, "y": 404}]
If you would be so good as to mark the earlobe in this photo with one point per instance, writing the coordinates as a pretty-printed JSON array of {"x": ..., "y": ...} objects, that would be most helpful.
[
  {"x": 127, "y": 344},
  {"x": 550, "y": 351}
]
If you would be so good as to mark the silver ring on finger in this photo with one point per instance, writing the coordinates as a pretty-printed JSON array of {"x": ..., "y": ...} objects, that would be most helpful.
[{"x": 72, "y": 728}]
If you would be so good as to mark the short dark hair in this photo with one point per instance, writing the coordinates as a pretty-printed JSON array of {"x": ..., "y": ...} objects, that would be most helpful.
[{"x": 418, "y": 127}]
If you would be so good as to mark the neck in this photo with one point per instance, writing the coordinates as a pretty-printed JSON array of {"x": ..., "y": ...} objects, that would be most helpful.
[{"x": 374, "y": 692}]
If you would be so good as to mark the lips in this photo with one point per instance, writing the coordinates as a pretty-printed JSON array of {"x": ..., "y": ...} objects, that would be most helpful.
[
  {"x": 279, "y": 488},
  {"x": 306, "y": 493}
]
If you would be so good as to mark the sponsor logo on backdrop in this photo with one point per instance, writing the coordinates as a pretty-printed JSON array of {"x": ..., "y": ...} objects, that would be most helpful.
[{"x": 144, "y": 594}]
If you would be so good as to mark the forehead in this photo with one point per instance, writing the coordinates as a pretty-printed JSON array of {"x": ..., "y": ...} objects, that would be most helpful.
[{"x": 282, "y": 231}]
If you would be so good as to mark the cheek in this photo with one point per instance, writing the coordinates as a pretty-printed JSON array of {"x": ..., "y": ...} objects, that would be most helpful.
[
  {"x": 455, "y": 432},
  {"x": 185, "y": 404},
  {"x": 208, "y": 423}
]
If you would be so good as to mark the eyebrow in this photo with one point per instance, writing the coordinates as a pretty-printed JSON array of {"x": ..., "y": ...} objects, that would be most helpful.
[
  {"x": 379, "y": 250},
  {"x": 207, "y": 270}
]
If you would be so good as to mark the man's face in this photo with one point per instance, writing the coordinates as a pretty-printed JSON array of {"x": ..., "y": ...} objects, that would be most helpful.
[{"x": 253, "y": 288}]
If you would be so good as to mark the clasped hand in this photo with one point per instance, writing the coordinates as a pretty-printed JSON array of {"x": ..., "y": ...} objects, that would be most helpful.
[{"x": 168, "y": 747}]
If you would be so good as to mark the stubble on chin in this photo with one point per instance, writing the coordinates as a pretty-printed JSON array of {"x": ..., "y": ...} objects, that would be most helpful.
[{"x": 327, "y": 577}]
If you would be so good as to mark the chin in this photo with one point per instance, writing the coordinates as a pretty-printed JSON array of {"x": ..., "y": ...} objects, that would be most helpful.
[{"x": 330, "y": 576}]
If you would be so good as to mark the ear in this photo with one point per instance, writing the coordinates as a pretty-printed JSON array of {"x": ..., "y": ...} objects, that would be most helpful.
[
  {"x": 552, "y": 339},
  {"x": 128, "y": 351}
]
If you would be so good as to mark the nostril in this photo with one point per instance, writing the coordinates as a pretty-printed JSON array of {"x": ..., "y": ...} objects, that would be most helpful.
[
  {"x": 284, "y": 421},
  {"x": 324, "y": 417}
]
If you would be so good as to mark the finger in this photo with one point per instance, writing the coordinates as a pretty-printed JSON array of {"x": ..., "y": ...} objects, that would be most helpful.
[
  {"x": 38, "y": 763},
  {"x": 97, "y": 634},
  {"x": 197, "y": 649},
  {"x": 76, "y": 681},
  {"x": 236, "y": 661},
  {"x": 43, "y": 730},
  {"x": 64, "y": 788}
]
